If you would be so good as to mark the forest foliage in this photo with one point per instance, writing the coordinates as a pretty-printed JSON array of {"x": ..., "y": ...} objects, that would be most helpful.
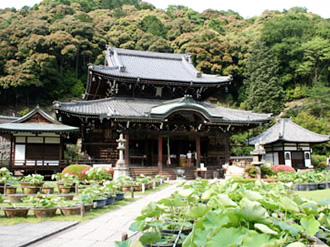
[{"x": 274, "y": 58}]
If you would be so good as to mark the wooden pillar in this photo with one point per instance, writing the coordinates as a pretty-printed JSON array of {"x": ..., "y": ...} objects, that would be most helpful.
[
  {"x": 60, "y": 155},
  {"x": 160, "y": 154},
  {"x": 198, "y": 150},
  {"x": 11, "y": 150},
  {"x": 127, "y": 150},
  {"x": 227, "y": 153}
]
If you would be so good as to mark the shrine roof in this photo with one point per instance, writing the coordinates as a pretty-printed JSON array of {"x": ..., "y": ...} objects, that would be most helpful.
[
  {"x": 36, "y": 127},
  {"x": 154, "y": 66},
  {"x": 156, "y": 109},
  {"x": 286, "y": 130},
  {"x": 36, "y": 121}
]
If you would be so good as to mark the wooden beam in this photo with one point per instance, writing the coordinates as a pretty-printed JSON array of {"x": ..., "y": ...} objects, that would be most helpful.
[
  {"x": 160, "y": 154},
  {"x": 127, "y": 150},
  {"x": 198, "y": 150}
]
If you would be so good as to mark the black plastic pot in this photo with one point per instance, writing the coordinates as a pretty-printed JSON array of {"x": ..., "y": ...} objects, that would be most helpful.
[
  {"x": 321, "y": 186},
  {"x": 312, "y": 186},
  {"x": 110, "y": 200},
  {"x": 119, "y": 196},
  {"x": 301, "y": 187},
  {"x": 99, "y": 203}
]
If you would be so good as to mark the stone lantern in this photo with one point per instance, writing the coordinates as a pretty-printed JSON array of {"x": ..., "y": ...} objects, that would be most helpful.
[
  {"x": 121, "y": 168},
  {"x": 258, "y": 153}
]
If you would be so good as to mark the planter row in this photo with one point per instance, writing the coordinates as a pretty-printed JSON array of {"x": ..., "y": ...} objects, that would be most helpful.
[
  {"x": 34, "y": 190},
  {"x": 43, "y": 212},
  {"x": 312, "y": 186},
  {"x": 18, "y": 197},
  {"x": 139, "y": 187},
  {"x": 48, "y": 212}
]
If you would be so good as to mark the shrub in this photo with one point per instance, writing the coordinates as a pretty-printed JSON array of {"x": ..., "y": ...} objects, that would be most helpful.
[
  {"x": 266, "y": 171},
  {"x": 283, "y": 168},
  {"x": 320, "y": 166},
  {"x": 316, "y": 159},
  {"x": 100, "y": 173},
  {"x": 78, "y": 170},
  {"x": 251, "y": 171}
]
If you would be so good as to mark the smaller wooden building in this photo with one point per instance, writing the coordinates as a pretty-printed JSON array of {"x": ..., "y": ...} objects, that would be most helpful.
[
  {"x": 36, "y": 141},
  {"x": 289, "y": 144}
]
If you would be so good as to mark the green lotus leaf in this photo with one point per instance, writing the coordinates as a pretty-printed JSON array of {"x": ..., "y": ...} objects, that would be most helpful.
[
  {"x": 189, "y": 240},
  {"x": 215, "y": 220},
  {"x": 265, "y": 229},
  {"x": 137, "y": 225},
  {"x": 151, "y": 210},
  {"x": 225, "y": 237},
  {"x": 186, "y": 193},
  {"x": 253, "y": 211},
  {"x": 206, "y": 195},
  {"x": 296, "y": 244},
  {"x": 288, "y": 205},
  {"x": 292, "y": 229},
  {"x": 254, "y": 239},
  {"x": 252, "y": 195},
  {"x": 125, "y": 243},
  {"x": 324, "y": 202},
  {"x": 226, "y": 201},
  {"x": 310, "y": 225},
  {"x": 197, "y": 211},
  {"x": 150, "y": 238}
]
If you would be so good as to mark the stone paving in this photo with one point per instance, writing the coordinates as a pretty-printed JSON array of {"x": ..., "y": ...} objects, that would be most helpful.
[
  {"x": 25, "y": 233},
  {"x": 105, "y": 229}
]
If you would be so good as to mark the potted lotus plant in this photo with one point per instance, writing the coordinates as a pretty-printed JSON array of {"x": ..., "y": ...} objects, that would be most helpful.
[
  {"x": 48, "y": 188},
  {"x": 44, "y": 205},
  {"x": 65, "y": 182},
  {"x": 94, "y": 192},
  {"x": 13, "y": 211},
  {"x": 87, "y": 201},
  {"x": 31, "y": 184},
  {"x": 5, "y": 176}
]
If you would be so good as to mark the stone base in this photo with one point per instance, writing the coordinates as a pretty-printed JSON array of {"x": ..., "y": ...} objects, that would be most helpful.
[{"x": 120, "y": 172}]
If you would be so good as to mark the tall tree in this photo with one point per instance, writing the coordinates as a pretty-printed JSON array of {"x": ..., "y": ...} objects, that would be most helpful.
[{"x": 265, "y": 92}]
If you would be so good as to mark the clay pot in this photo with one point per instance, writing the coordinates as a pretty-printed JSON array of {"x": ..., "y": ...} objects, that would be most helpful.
[
  {"x": 49, "y": 190},
  {"x": 31, "y": 190},
  {"x": 44, "y": 212},
  {"x": 16, "y": 212},
  {"x": 70, "y": 210},
  {"x": 11, "y": 190},
  {"x": 16, "y": 197}
]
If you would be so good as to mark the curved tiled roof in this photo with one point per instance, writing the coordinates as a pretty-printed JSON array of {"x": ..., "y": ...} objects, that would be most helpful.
[
  {"x": 154, "y": 66},
  {"x": 286, "y": 130},
  {"x": 152, "y": 109},
  {"x": 20, "y": 124}
]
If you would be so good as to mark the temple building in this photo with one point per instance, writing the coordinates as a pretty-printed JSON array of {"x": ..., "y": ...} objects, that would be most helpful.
[
  {"x": 36, "y": 142},
  {"x": 158, "y": 101},
  {"x": 289, "y": 144}
]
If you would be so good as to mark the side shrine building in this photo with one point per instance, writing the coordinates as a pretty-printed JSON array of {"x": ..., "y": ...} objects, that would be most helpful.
[
  {"x": 158, "y": 101},
  {"x": 36, "y": 142},
  {"x": 289, "y": 144}
]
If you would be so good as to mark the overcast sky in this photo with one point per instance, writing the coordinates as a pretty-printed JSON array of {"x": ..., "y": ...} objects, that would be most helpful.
[{"x": 246, "y": 8}]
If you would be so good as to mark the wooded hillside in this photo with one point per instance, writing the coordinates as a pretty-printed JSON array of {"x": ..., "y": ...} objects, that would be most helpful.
[{"x": 274, "y": 58}]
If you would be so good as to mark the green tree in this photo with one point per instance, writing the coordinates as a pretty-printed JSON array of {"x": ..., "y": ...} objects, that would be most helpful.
[
  {"x": 265, "y": 93},
  {"x": 153, "y": 25},
  {"x": 316, "y": 60}
]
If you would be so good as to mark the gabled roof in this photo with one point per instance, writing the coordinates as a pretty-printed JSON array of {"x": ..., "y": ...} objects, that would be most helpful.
[
  {"x": 32, "y": 113},
  {"x": 36, "y": 121},
  {"x": 288, "y": 131},
  {"x": 154, "y": 66},
  {"x": 6, "y": 119},
  {"x": 155, "y": 109}
]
